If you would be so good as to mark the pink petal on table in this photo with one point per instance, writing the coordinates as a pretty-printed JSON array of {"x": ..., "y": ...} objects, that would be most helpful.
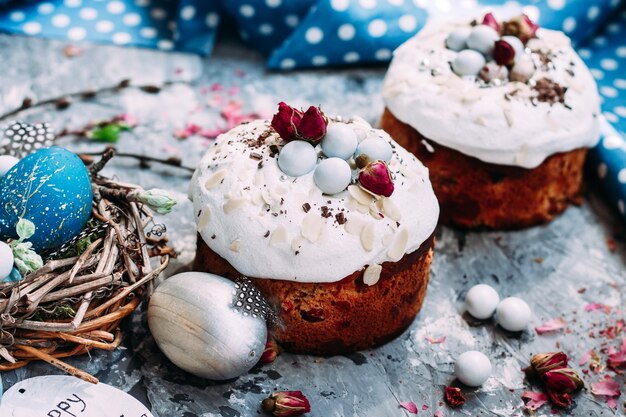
[
  {"x": 233, "y": 90},
  {"x": 425, "y": 407},
  {"x": 409, "y": 406},
  {"x": 217, "y": 87},
  {"x": 608, "y": 387},
  {"x": 534, "y": 400},
  {"x": 438, "y": 413},
  {"x": 585, "y": 358},
  {"x": 551, "y": 325},
  {"x": 594, "y": 307},
  {"x": 612, "y": 403},
  {"x": 435, "y": 340}
]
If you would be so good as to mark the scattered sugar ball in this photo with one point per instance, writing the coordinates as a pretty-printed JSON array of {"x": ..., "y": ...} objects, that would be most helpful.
[
  {"x": 468, "y": 62},
  {"x": 457, "y": 39},
  {"x": 332, "y": 175},
  {"x": 340, "y": 141},
  {"x": 6, "y": 163},
  {"x": 297, "y": 158},
  {"x": 481, "y": 301},
  {"x": 482, "y": 39},
  {"x": 375, "y": 148},
  {"x": 6, "y": 260},
  {"x": 472, "y": 368},
  {"x": 513, "y": 314}
]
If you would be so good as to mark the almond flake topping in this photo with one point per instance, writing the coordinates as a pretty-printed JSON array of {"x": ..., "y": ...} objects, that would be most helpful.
[
  {"x": 398, "y": 246},
  {"x": 215, "y": 179},
  {"x": 204, "y": 219},
  {"x": 372, "y": 274},
  {"x": 367, "y": 236},
  {"x": 312, "y": 225},
  {"x": 279, "y": 235}
]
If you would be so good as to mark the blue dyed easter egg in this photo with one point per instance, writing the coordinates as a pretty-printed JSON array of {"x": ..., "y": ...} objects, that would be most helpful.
[{"x": 52, "y": 189}]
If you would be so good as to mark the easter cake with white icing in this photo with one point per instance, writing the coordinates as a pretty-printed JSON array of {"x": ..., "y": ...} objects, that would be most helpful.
[
  {"x": 502, "y": 112},
  {"x": 330, "y": 219}
]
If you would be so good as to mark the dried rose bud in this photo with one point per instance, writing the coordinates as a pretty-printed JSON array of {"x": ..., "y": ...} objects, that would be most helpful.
[
  {"x": 270, "y": 353},
  {"x": 503, "y": 53},
  {"x": 492, "y": 71},
  {"x": 286, "y": 403},
  {"x": 544, "y": 362},
  {"x": 563, "y": 380},
  {"x": 286, "y": 121},
  {"x": 560, "y": 399},
  {"x": 454, "y": 397},
  {"x": 520, "y": 26},
  {"x": 290, "y": 123},
  {"x": 490, "y": 20},
  {"x": 376, "y": 179}
]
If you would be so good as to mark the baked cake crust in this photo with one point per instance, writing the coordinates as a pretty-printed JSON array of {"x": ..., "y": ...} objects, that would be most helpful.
[
  {"x": 340, "y": 317},
  {"x": 473, "y": 193}
]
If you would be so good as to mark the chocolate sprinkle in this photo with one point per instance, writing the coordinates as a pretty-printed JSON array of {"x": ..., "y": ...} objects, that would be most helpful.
[
  {"x": 306, "y": 207},
  {"x": 341, "y": 218},
  {"x": 549, "y": 91}
]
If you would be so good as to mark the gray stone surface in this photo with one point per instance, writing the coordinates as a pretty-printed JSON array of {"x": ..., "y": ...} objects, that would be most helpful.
[{"x": 547, "y": 266}]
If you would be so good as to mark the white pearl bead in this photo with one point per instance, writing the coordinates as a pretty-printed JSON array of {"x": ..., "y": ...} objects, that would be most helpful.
[
  {"x": 457, "y": 39},
  {"x": 6, "y": 163},
  {"x": 340, "y": 141},
  {"x": 472, "y": 368},
  {"x": 297, "y": 158},
  {"x": 482, "y": 39},
  {"x": 468, "y": 62},
  {"x": 481, "y": 301},
  {"x": 375, "y": 148},
  {"x": 517, "y": 45},
  {"x": 513, "y": 314},
  {"x": 332, "y": 175},
  {"x": 6, "y": 260}
]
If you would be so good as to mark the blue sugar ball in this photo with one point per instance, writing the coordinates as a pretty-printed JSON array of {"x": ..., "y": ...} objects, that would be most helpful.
[
  {"x": 332, "y": 175},
  {"x": 517, "y": 45},
  {"x": 297, "y": 158},
  {"x": 468, "y": 62},
  {"x": 375, "y": 148},
  {"x": 340, "y": 141},
  {"x": 482, "y": 39},
  {"x": 457, "y": 39},
  {"x": 52, "y": 189}
]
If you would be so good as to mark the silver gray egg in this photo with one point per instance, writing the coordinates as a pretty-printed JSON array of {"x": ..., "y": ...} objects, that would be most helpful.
[{"x": 194, "y": 323}]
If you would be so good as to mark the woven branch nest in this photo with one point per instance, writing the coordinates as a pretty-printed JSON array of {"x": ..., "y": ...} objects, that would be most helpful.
[{"x": 76, "y": 301}]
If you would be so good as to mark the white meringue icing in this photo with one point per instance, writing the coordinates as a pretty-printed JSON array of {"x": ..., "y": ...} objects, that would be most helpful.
[
  {"x": 421, "y": 90},
  {"x": 251, "y": 214}
]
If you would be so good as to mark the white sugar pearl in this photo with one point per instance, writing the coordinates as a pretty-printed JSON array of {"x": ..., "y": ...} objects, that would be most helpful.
[
  {"x": 472, "y": 368},
  {"x": 6, "y": 260},
  {"x": 297, "y": 158},
  {"x": 375, "y": 148},
  {"x": 6, "y": 163},
  {"x": 482, "y": 39},
  {"x": 468, "y": 62},
  {"x": 340, "y": 141},
  {"x": 332, "y": 175},
  {"x": 517, "y": 45},
  {"x": 513, "y": 314},
  {"x": 481, "y": 301},
  {"x": 457, "y": 39}
]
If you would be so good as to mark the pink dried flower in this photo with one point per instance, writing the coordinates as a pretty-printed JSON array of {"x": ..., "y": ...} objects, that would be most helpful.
[
  {"x": 290, "y": 123},
  {"x": 409, "y": 406},
  {"x": 491, "y": 21},
  {"x": 563, "y": 380},
  {"x": 534, "y": 400},
  {"x": 504, "y": 53},
  {"x": 544, "y": 362},
  {"x": 286, "y": 403},
  {"x": 376, "y": 178},
  {"x": 270, "y": 353},
  {"x": 454, "y": 397},
  {"x": 520, "y": 26}
]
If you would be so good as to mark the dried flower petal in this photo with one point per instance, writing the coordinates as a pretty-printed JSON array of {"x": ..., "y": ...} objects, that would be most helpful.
[
  {"x": 534, "y": 400},
  {"x": 271, "y": 351},
  {"x": 544, "y": 362},
  {"x": 608, "y": 387},
  {"x": 286, "y": 403},
  {"x": 503, "y": 53},
  {"x": 563, "y": 380},
  {"x": 286, "y": 121},
  {"x": 290, "y": 123},
  {"x": 409, "y": 406},
  {"x": 376, "y": 178},
  {"x": 551, "y": 325},
  {"x": 560, "y": 399},
  {"x": 491, "y": 21},
  {"x": 520, "y": 26},
  {"x": 454, "y": 397},
  {"x": 435, "y": 340},
  {"x": 313, "y": 125}
]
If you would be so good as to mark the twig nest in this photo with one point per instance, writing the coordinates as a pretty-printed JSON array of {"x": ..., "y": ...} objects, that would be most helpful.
[{"x": 194, "y": 320}]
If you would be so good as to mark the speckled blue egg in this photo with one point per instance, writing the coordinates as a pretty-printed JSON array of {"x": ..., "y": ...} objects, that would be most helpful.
[
  {"x": 340, "y": 141},
  {"x": 376, "y": 149},
  {"x": 297, "y": 158},
  {"x": 52, "y": 189}
]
